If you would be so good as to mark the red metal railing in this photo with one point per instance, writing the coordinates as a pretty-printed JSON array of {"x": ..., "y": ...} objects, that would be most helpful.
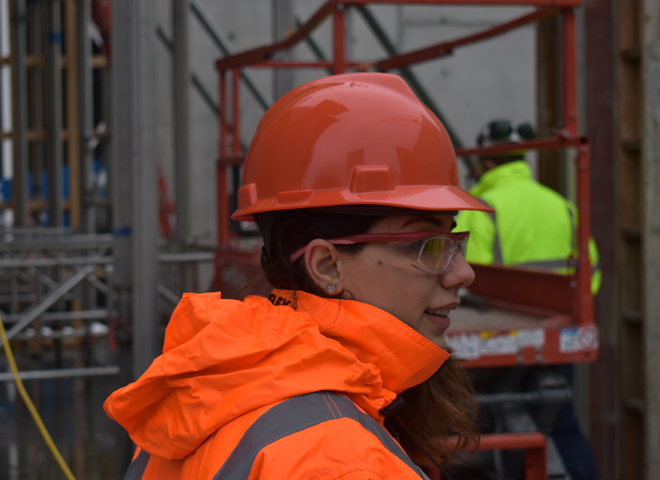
[{"x": 534, "y": 444}]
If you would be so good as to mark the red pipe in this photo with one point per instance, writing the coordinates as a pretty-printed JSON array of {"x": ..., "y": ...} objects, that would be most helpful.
[
  {"x": 537, "y": 3},
  {"x": 446, "y": 48},
  {"x": 533, "y": 442},
  {"x": 512, "y": 441},
  {"x": 221, "y": 169},
  {"x": 364, "y": 66},
  {"x": 264, "y": 53},
  {"x": 585, "y": 299},
  {"x": 339, "y": 38},
  {"x": 236, "y": 112},
  {"x": 222, "y": 115},
  {"x": 537, "y": 144}
]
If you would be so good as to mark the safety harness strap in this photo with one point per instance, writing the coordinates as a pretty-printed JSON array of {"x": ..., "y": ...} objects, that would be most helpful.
[{"x": 295, "y": 415}]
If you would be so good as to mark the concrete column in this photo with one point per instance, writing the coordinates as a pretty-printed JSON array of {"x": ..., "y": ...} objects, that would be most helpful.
[
  {"x": 134, "y": 181},
  {"x": 651, "y": 231},
  {"x": 284, "y": 23}
]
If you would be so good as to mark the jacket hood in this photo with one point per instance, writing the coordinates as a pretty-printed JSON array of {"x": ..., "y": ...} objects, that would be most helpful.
[{"x": 223, "y": 358}]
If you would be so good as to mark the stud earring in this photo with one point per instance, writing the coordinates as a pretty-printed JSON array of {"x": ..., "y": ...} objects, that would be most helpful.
[{"x": 331, "y": 289}]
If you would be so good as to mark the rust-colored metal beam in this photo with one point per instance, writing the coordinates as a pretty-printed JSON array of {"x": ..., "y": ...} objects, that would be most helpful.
[
  {"x": 531, "y": 3},
  {"x": 339, "y": 38},
  {"x": 221, "y": 167},
  {"x": 261, "y": 54},
  {"x": 511, "y": 441},
  {"x": 538, "y": 144},
  {"x": 525, "y": 286},
  {"x": 362, "y": 66},
  {"x": 446, "y": 48},
  {"x": 585, "y": 307}
]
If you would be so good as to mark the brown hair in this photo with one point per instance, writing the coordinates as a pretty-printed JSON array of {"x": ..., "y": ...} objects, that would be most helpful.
[
  {"x": 436, "y": 410},
  {"x": 440, "y": 412}
]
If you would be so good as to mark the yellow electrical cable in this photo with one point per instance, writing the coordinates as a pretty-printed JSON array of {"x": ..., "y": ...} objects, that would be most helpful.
[{"x": 30, "y": 405}]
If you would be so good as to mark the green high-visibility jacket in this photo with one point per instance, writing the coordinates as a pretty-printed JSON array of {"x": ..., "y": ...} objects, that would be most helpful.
[{"x": 532, "y": 225}]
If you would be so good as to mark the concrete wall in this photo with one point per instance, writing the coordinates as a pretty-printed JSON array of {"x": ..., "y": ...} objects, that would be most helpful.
[{"x": 478, "y": 83}]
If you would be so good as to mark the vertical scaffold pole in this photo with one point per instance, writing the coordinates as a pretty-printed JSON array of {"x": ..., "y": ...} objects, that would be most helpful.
[
  {"x": 223, "y": 224},
  {"x": 339, "y": 38},
  {"x": 182, "y": 163},
  {"x": 584, "y": 299},
  {"x": 236, "y": 112},
  {"x": 72, "y": 89},
  {"x": 586, "y": 304},
  {"x": 570, "y": 72},
  {"x": 86, "y": 117},
  {"x": 17, "y": 22},
  {"x": 53, "y": 75},
  {"x": 180, "y": 9}
]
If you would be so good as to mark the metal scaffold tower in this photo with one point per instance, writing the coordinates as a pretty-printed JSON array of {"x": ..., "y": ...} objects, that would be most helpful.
[{"x": 56, "y": 262}]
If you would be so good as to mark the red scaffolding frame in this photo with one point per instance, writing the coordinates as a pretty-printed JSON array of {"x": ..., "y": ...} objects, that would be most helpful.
[{"x": 554, "y": 312}]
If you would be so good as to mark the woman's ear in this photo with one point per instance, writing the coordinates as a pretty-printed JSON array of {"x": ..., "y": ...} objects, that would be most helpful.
[{"x": 321, "y": 261}]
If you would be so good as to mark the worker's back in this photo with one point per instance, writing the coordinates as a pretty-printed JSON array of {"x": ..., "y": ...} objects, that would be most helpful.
[{"x": 532, "y": 224}]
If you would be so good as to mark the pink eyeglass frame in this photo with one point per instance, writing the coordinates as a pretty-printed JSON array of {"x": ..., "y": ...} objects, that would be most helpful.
[{"x": 381, "y": 237}]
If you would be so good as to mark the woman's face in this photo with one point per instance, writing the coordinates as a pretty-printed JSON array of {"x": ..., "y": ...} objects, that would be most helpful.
[{"x": 420, "y": 299}]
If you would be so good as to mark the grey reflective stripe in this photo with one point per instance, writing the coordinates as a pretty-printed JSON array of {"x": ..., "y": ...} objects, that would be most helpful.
[
  {"x": 497, "y": 249},
  {"x": 548, "y": 264},
  {"x": 138, "y": 466},
  {"x": 295, "y": 415}
]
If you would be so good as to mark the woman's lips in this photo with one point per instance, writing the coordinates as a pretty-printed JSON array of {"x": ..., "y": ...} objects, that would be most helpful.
[{"x": 440, "y": 321}]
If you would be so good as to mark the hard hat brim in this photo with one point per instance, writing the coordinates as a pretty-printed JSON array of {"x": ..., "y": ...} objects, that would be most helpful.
[{"x": 414, "y": 197}]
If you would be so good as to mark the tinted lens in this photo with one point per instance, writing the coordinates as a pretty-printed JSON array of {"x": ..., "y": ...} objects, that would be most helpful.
[{"x": 436, "y": 253}]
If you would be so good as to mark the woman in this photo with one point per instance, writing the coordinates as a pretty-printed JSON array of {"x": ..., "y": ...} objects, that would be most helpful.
[{"x": 354, "y": 185}]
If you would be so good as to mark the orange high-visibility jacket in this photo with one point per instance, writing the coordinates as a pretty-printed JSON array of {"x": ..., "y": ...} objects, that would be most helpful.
[{"x": 227, "y": 363}]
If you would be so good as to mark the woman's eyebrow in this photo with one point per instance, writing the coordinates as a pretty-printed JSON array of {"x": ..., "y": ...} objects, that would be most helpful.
[{"x": 432, "y": 220}]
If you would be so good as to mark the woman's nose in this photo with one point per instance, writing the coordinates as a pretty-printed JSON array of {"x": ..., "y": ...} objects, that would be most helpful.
[{"x": 460, "y": 274}]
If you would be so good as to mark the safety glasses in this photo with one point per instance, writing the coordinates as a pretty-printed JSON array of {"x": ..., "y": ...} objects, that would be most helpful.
[{"x": 429, "y": 251}]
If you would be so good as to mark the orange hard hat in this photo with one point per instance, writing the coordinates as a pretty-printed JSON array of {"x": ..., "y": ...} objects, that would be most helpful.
[{"x": 351, "y": 139}]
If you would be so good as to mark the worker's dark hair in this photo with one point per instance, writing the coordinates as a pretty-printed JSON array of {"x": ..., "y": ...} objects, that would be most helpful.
[
  {"x": 440, "y": 408},
  {"x": 285, "y": 232}
]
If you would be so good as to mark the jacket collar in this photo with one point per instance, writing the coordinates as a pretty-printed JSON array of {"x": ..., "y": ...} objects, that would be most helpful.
[
  {"x": 507, "y": 173},
  {"x": 404, "y": 357}
]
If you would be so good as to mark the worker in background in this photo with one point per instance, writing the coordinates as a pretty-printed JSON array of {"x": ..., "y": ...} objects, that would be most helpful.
[
  {"x": 354, "y": 185},
  {"x": 532, "y": 226}
]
